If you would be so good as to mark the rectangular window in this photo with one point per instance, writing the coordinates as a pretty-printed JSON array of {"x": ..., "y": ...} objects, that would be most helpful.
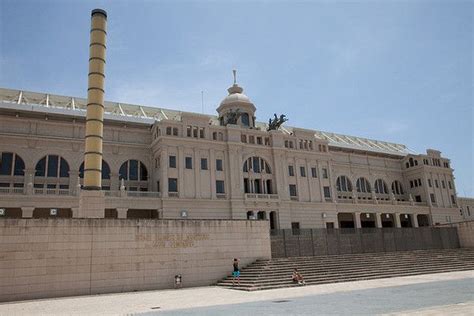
[
  {"x": 175, "y": 131},
  {"x": 286, "y": 143},
  {"x": 172, "y": 161},
  {"x": 453, "y": 199},
  {"x": 436, "y": 184},
  {"x": 432, "y": 198},
  {"x": 411, "y": 184},
  {"x": 252, "y": 139},
  {"x": 314, "y": 174},
  {"x": 168, "y": 130},
  {"x": 303, "y": 171},
  {"x": 325, "y": 173},
  {"x": 6, "y": 163},
  {"x": 203, "y": 163},
  {"x": 259, "y": 140},
  {"x": 158, "y": 186},
  {"x": 172, "y": 185},
  {"x": 219, "y": 166},
  {"x": 295, "y": 228},
  {"x": 449, "y": 185},
  {"x": 443, "y": 184},
  {"x": 52, "y": 166},
  {"x": 189, "y": 162},
  {"x": 418, "y": 198},
  {"x": 327, "y": 192},
  {"x": 256, "y": 165},
  {"x": 291, "y": 171},
  {"x": 195, "y": 132},
  {"x": 220, "y": 186},
  {"x": 419, "y": 182},
  {"x": 189, "y": 131},
  {"x": 293, "y": 190},
  {"x": 201, "y": 133},
  {"x": 133, "y": 169},
  {"x": 243, "y": 138},
  {"x": 429, "y": 183}
]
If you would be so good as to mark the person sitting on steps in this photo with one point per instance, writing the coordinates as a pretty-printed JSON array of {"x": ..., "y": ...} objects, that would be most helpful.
[{"x": 297, "y": 277}]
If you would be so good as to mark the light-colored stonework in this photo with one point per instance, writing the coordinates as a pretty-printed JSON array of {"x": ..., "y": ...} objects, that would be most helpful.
[
  {"x": 466, "y": 208},
  {"x": 34, "y": 125},
  {"x": 62, "y": 257}
]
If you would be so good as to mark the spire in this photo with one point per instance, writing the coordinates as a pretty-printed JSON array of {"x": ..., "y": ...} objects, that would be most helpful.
[{"x": 235, "y": 87}]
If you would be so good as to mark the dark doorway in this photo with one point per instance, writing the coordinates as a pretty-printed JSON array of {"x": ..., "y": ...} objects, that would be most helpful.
[
  {"x": 423, "y": 220},
  {"x": 346, "y": 220},
  {"x": 250, "y": 215},
  {"x": 273, "y": 220},
  {"x": 405, "y": 220},
  {"x": 367, "y": 220},
  {"x": 388, "y": 220},
  {"x": 261, "y": 215}
]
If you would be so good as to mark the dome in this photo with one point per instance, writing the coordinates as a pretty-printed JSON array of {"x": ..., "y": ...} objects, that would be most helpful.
[{"x": 235, "y": 97}]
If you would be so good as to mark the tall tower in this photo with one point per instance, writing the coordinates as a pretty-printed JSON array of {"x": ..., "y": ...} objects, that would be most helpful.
[
  {"x": 95, "y": 102},
  {"x": 92, "y": 201}
]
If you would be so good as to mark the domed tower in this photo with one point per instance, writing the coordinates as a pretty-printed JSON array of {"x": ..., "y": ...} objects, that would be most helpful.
[{"x": 236, "y": 108}]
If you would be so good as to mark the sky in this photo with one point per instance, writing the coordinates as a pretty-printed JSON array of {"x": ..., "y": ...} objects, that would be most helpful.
[{"x": 398, "y": 71}]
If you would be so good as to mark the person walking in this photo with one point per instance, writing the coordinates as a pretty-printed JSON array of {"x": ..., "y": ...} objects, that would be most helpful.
[{"x": 236, "y": 272}]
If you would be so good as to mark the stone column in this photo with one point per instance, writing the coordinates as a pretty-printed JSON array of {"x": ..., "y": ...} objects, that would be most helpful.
[
  {"x": 180, "y": 165},
  {"x": 95, "y": 102},
  {"x": 414, "y": 220},
  {"x": 358, "y": 223},
  {"x": 122, "y": 212},
  {"x": 397, "y": 220},
  {"x": 164, "y": 171},
  {"x": 212, "y": 169},
  {"x": 197, "y": 174},
  {"x": 378, "y": 220},
  {"x": 27, "y": 212}
]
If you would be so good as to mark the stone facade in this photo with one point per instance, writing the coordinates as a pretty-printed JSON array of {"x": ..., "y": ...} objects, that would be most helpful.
[
  {"x": 466, "y": 207},
  {"x": 168, "y": 164},
  {"x": 61, "y": 257}
]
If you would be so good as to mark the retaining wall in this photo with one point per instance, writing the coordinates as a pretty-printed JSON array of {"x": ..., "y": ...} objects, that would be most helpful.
[{"x": 42, "y": 258}]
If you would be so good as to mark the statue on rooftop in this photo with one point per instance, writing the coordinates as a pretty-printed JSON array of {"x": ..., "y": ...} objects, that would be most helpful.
[
  {"x": 276, "y": 122},
  {"x": 231, "y": 117}
]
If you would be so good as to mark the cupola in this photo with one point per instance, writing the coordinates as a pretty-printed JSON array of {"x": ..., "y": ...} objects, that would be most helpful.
[{"x": 236, "y": 108}]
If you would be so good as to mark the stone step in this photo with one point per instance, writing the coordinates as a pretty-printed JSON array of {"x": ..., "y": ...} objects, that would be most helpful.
[
  {"x": 305, "y": 266},
  {"x": 331, "y": 274},
  {"x": 289, "y": 283},
  {"x": 276, "y": 273}
]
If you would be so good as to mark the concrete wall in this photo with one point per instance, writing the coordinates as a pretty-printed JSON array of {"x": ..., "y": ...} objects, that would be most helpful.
[
  {"x": 60, "y": 257},
  {"x": 466, "y": 234}
]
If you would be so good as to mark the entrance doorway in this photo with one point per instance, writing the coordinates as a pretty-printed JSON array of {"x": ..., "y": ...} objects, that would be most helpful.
[
  {"x": 388, "y": 220},
  {"x": 423, "y": 220},
  {"x": 405, "y": 220},
  {"x": 273, "y": 220},
  {"x": 346, "y": 220},
  {"x": 367, "y": 220}
]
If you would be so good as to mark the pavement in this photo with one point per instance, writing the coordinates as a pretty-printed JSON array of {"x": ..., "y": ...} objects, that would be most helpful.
[{"x": 430, "y": 294}]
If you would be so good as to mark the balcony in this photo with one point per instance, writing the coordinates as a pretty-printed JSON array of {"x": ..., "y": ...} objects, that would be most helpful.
[
  {"x": 12, "y": 191},
  {"x": 52, "y": 192}
]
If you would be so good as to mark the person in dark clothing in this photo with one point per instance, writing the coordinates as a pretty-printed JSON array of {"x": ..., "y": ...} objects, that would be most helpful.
[{"x": 236, "y": 272}]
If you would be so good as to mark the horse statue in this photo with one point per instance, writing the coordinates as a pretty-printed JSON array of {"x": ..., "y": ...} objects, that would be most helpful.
[{"x": 276, "y": 122}]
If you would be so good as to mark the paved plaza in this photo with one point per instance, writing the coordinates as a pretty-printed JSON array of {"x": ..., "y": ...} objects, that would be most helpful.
[{"x": 432, "y": 294}]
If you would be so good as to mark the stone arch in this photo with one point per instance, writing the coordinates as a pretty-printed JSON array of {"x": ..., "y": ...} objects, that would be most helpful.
[
  {"x": 380, "y": 186},
  {"x": 343, "y": 184},
  {"x": 135, "y": 175},
  {"x": 363, "y": 185}
]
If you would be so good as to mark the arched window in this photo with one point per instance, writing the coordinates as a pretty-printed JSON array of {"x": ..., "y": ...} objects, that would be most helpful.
[
  {"x": 258, "y": 176},
  {"x": 52, "y": 171},
  {"x": 380, "y": 187},
  {"x": 12, "y": 170},
  {"x": 105, "y": 171},
  {"x": 397, "y": 188},
  {"x": 363, "y": 185},
  {"x": 135, "y": 175},
  {"x": 343, "y": 184},
  {"x": 245, "y": 119}
]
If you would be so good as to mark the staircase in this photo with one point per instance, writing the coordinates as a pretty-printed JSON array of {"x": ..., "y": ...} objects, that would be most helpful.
[{"x": 276, "y": 273}]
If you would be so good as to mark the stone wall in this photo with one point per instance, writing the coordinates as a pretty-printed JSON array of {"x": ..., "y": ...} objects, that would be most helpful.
[
  {"x": 61, "y": 257},
  {"x": 465, "y": 233}
]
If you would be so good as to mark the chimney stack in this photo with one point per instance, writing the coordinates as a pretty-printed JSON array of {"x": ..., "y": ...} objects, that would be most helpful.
[{"x": 95, "y": 102}]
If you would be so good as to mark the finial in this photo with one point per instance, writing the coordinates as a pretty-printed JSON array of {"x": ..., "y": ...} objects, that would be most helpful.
[{"x": 235, "y": 76}]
